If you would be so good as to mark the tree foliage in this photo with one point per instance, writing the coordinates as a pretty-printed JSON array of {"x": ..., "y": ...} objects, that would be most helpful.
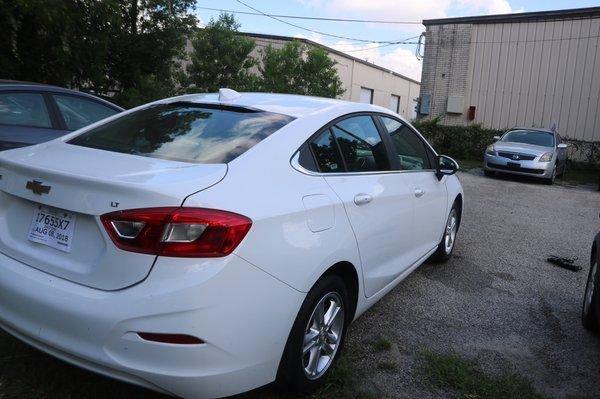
[
  {"x": 298, "y": 69},
  {"x": 221, "y": 57},
  {"x": 96, "y": 45}
]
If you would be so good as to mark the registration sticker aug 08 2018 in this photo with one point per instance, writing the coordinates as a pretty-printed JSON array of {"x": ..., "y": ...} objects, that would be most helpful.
[{"x": 52, "y": 227}]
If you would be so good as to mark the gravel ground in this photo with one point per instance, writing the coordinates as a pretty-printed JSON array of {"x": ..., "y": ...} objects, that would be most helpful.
[{"x": 497, "y": 302}]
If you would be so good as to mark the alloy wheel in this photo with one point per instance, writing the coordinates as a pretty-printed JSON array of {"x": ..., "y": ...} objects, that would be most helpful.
[
  {"x": 450, "y": 232},
  {"x": 323, "y": 335}
]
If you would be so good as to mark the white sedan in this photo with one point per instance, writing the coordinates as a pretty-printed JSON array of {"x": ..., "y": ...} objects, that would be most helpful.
[{"x": 206, "y": 245}]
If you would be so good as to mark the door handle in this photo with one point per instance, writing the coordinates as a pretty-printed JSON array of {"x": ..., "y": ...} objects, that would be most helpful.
[
  {"x": 419, "y": 192},
  {"x": 362, "y": 199}
]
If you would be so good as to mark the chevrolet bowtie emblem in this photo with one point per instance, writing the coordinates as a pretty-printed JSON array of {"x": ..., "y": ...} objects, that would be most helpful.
[{"x": 37, "y": 187}]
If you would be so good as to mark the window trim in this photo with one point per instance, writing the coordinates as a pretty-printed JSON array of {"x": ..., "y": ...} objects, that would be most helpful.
[
  {"x": 375, "y": 115},
  {"x": 54, "y": 120}
]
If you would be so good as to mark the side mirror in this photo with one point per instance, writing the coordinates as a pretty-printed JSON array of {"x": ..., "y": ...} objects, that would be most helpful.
[
  {"x": 445, "y": 166},
  {"x": 496, "y": 138},
  {"x": 562, "y": 145}
]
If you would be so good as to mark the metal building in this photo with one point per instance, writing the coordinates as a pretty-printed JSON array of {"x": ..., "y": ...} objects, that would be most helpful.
[
  {"x": 363, "y": 81},
  {"x": 528, "y": 69}
]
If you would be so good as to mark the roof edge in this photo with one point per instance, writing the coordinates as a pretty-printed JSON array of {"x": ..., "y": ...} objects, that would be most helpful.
[
  {"x": 573, "y": 13},
  {"x": 329, "y": 49}
]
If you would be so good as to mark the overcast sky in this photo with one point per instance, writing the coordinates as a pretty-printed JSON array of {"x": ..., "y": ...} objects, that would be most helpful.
[{"x": 400, "y": 58}]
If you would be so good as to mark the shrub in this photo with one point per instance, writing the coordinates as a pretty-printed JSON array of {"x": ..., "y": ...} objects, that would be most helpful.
[{"x": 460, "y": 142}]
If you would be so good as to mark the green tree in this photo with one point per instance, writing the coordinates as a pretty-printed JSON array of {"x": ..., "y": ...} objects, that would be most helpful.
[
  {"x": 101, "y": 46},
  {"x": 59, "y": 42},
  {"x": 221, "y": 57},
  {"x": 298, "y": 69},
  {"x": 146, "y": 49}
]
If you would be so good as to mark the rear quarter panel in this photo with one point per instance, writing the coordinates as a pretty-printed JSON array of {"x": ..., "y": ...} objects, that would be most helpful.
[{"x": 284, "y": 240}]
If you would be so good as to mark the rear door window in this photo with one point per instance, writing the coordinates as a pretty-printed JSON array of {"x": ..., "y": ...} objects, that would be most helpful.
[
  {"x": 187, "y": 132},
  {"x": 410, "y": 149},
  {"x": 24, "y": 109},
  {"x": 78, "y": 112},
  {"x": 361, "y": 145}
]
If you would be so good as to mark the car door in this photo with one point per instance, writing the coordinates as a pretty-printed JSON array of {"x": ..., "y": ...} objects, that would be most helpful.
[
  {"x": 355, "y": 162},
  {"x": 25, "y": 119},
  {"x": 429, "y": 195}
]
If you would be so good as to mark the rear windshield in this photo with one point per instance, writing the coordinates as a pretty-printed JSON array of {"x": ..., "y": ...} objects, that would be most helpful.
[
  {"x": 535, "y": 137},
  {"x": 186, "y": 132}
]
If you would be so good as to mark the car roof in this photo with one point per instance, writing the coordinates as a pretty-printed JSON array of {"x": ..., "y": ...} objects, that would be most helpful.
[
  {"x": 6, "y": 85},
  {"x": 288, "y": 104}
]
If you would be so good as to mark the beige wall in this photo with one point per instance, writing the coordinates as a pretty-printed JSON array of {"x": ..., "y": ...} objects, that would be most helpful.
[
  {"x": 521, "y": 74},
  {"x": 355, "y": 74}
]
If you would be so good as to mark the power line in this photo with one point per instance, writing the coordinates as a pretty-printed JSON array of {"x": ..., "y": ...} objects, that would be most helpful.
[
  {"x": 315, "y": 31},
  {"x": 367, "y": 21}
]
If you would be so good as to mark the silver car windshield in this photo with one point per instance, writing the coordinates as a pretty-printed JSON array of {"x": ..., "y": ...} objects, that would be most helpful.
[{"x": 534, "y": 137}]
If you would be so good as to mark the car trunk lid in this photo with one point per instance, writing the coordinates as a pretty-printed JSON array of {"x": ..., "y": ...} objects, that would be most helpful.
[{"x": 85, "y": 183}]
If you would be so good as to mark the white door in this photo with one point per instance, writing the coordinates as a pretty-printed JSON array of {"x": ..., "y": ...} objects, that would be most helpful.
[
  {"x": 429, "y": 195},
  {"x": 377, "y": 201}
]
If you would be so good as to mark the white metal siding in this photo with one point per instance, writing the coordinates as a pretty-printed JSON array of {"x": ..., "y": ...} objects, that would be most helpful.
[{"x": 534, "y": 73}]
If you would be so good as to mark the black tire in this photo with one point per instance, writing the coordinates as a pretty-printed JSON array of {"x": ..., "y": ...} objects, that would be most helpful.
[
  {"x": 291, "y": 375},
  {"x": 488, "y": 173},
  {"x": 442, "y": 253},
  {"x": 589, "y": 313}
]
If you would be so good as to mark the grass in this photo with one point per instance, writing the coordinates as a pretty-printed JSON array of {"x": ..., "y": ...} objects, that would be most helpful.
[
  {"x": 463, "y": 376},
  {"x": 386, "y": 365},
  {"x": 382, "y": 344}
]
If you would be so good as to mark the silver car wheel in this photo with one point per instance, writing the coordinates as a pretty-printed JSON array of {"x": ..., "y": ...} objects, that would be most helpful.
[
  {"x": 450, "y": 233},
  {"x": 323, "y": 335},
  {"x": 589, "y": 289}
]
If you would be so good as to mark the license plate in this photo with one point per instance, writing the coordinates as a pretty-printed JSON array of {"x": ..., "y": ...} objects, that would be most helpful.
[
  {"x": 513, "y": 165},
  {"x": 52, "y": 227}
]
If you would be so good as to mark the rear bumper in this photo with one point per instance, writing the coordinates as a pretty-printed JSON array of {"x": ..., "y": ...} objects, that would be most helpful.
[
  {"x": 243, "y": 314},
  {"x": 527, "y": 168}
]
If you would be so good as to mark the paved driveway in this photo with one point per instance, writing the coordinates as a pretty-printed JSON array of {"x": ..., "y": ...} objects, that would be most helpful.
[{"x": 497, "y": 302}]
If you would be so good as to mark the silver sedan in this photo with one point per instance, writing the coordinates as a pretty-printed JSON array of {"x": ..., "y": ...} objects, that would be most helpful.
[{"x": 532, "y": 152}]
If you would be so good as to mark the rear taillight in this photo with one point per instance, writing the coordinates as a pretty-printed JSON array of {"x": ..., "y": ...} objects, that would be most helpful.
[{"x": 179, "y": 232}]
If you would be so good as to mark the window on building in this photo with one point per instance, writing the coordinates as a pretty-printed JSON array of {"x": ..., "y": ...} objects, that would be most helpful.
[
  {"x": 395, "y": 103},
  {"x": 366, "y": 95}
]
